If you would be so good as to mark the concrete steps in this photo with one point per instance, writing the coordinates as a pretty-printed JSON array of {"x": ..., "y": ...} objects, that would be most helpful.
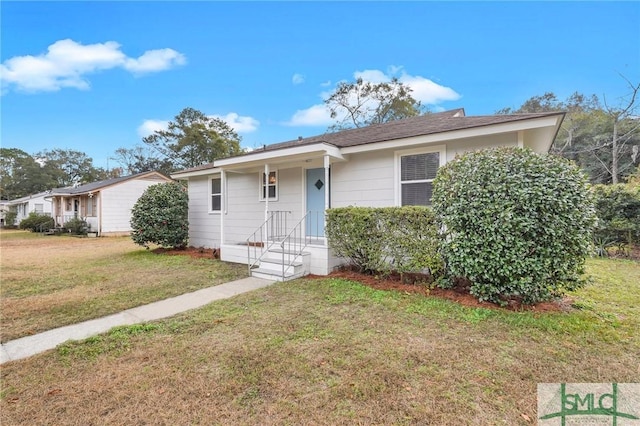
[{"x": 271, "y": 265}]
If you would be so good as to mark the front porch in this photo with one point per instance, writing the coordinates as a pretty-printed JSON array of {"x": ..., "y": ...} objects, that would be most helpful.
[
  {"x": 272, "y": 213},
  {"x": 281, "y": 249}
]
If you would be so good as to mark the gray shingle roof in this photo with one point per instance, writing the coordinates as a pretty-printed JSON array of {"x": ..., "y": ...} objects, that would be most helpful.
[
  {"x": 93, "y": 186},
  {"x": 409, "y": 127},
  {"x": 415, "y": 126}
]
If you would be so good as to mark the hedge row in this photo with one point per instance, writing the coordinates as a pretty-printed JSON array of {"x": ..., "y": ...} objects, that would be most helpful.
[
  {"x": 618, "y": 211},
  {"x": 386, "y": 240},
  {"x": 515, "y": 224}
]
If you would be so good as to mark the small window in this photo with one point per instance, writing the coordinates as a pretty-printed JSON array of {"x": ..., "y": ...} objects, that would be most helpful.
[
  {"x": 216, "y": 194},
  {"x": 39, "y": 208},
  {"x": 269, "y": 186},
  {"x": 417, "y": 172},
  {"x": 92, "y": 206}
]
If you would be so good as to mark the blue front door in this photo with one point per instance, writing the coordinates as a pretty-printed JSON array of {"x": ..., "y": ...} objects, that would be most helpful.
[{"x": 315, "y": 202}]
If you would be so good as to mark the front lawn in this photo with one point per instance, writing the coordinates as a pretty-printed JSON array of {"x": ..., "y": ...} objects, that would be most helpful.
[
  {"x": 51, "y": 281},
  {"x": 330, "y": 351}
]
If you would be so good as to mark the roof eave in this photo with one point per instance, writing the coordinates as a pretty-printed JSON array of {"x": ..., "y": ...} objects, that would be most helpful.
[
  {"x": 195, "y": 173},
  {"x": 282, "y": 154},
  {"x": 551, "y": 120}
]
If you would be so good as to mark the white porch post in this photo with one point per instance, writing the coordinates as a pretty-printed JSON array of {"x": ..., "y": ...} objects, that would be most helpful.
[
  {"x": 326, "y": 182},
  {"x": 265, "y": 181},
  {"x": 223, "y": 203}
]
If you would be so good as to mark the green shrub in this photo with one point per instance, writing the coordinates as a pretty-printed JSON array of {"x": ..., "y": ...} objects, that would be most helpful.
[
  {"x": 354, "y": 234},
  {"x": 160, "y": 216},
  {"x": 618, "y": 212},
  {"x": 36, "y": 222},
  {"x": 77, "y": 226},
  {"x": 385, "y": 240},
  {"x": 516, "y": 224},
  {"x": 10, "y": 218}
]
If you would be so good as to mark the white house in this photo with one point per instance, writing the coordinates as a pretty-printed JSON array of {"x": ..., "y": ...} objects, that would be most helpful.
[
  {"x": 266, "y": 208},
  {"x": 36, "y": 203},
  {"x": 105, "y": 205},
  {"x": 4, "y": 209}
]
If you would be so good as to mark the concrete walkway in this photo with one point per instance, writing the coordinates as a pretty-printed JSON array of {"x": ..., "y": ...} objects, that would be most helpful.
[{"x": 31, "y": 345}]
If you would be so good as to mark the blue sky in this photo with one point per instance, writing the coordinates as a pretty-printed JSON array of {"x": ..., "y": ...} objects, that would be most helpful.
[{"x": 97, "y": 76}]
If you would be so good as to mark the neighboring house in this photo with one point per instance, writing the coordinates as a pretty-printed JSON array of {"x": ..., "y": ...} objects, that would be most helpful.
[
  {"x": 266, "y": 208},
  {"x": 105, "y": 205},
  {"x": 36, "y": 203},
  {"x": 4, "y": 209}
]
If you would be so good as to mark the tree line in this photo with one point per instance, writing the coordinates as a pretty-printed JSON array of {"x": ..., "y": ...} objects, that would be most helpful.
[
  {"x": 191, "y": 140},
  {"x": 601, "y": 136}
]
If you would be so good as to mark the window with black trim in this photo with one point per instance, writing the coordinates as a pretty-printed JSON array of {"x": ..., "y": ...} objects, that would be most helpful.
[
  {"x": 216, "y": 194},
  {"x": 417, "y": 172},
  {"x": 269, "y": 186}
]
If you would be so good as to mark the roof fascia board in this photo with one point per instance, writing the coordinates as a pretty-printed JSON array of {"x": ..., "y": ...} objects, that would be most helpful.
[
  {"x": 26, "y": 198},
  {"x": 491, "y": 129},
  {"x": 196, "y": 173},
  {"x": 265, "y": 156}
]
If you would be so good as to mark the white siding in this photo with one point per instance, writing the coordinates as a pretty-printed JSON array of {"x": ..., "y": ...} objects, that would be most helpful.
[
  {"x": 290, "y": 193},
  {"x": 461, "y": 146},
  {"x": 26, "y": 205},
  {"x": 245, "y": 212},
  {"x": 366, "y": 180},
  {"x": 117, "y": 201},
  {"x": 204, "y": 225}
]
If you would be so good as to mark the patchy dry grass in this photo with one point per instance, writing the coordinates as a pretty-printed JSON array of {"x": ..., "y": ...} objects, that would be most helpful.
[
  {"x": 49, "y": 281},
  {"x": 330, "y": 351}
]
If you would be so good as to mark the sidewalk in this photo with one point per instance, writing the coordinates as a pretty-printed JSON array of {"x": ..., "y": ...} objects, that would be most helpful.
[{"x": 31, "y": 345}]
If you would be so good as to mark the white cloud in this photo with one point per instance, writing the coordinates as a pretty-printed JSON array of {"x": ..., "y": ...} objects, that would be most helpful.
[
  {"x": 326, "y": 83},
  {"x": 66, "y": 64},
  {"x": 372, "y": 76},
  {"x": 423, "y": 89},
  {"x": 394, "y": 69},
  {"x": 297, "y": 79},
  {"x": 428, "y": 92},
  {"x": 149, "y": 126},
  {"x": 317, "y": 115},
  {"x": 155, "y": 60},
  {"x": 239, "y": 123}
]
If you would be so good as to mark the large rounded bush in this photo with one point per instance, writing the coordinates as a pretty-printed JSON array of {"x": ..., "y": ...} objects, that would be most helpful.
[
  {"x": 516, "y": 224},
  {"x": 160, "y": 216},
  {"x": 37, "y": 222}
]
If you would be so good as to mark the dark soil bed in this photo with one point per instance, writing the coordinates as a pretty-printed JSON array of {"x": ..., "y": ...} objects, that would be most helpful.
[
  {"x": 195, "y": 252},
  {"x": 460, "y": 294},
  {"x": 396, "y": 283}
]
